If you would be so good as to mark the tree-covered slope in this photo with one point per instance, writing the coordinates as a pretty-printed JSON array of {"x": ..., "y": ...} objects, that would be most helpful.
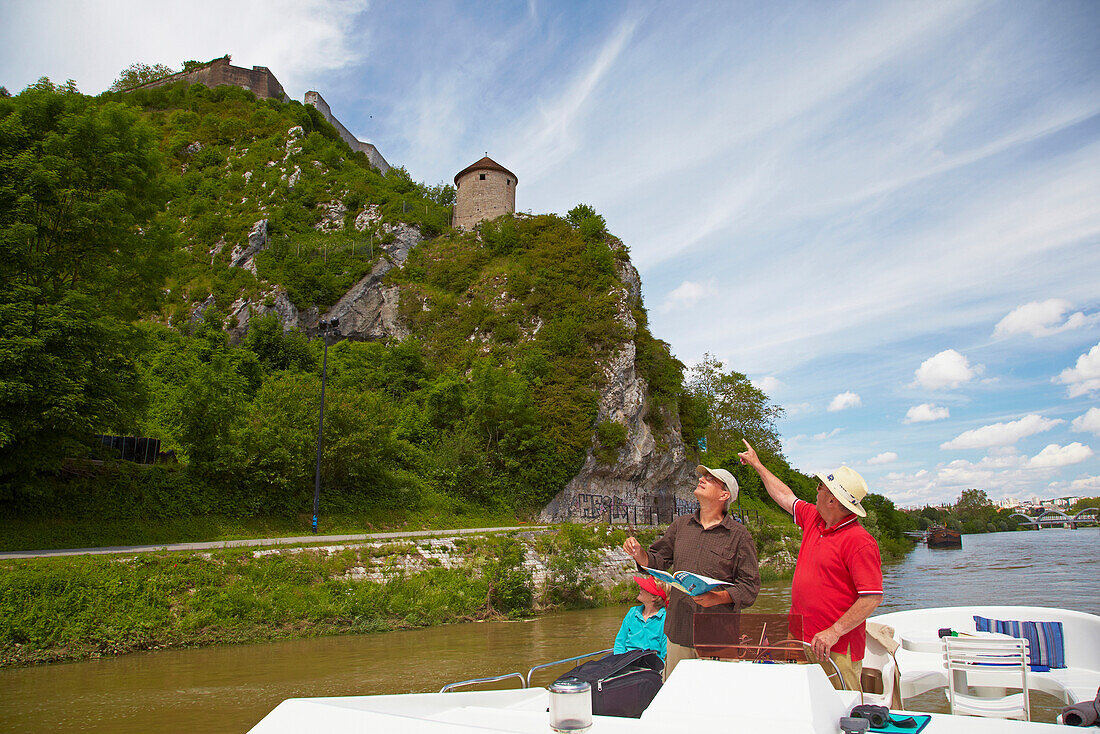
[
  {"x": 491, "y": 400},
  {"x": 129, "y": 232},
  {"x": 231, "y": 160}
]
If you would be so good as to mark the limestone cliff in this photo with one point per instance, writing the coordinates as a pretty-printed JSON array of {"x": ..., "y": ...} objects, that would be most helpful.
[
  {"x": 651, "y": 471},
  {"x": 650, "y": 476},
  {"x": 368, "y": 310}
]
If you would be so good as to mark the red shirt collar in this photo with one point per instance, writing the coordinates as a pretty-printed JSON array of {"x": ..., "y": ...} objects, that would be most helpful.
[{"x": 839, "y": 524}]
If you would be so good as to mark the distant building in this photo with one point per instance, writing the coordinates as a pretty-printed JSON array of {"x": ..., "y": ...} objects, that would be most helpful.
[
  {"x": 259, "y": 79},
  {"x": 484, "y": 190}
]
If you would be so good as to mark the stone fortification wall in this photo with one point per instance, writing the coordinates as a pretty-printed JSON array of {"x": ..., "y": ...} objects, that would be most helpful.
[
  {"x": 375, "y": 158},
  {"x": 258, "y": 79},
  {"x": 482, "y": 194}
]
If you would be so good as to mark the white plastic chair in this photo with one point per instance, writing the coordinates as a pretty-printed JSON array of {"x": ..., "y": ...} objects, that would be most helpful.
[
  {"x": 877, "y": 658},
  {"x": 992, "y": 662}
]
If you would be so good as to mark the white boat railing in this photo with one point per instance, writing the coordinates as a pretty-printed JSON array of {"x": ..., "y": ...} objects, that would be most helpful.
[
  {"x": 525, "y": 680},
  {"x": 491, "y": 679},
  {"x": 564, "y": 660}
]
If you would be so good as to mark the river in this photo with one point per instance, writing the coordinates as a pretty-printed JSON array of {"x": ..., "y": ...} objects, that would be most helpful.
[{"x": 229, "y": 689}]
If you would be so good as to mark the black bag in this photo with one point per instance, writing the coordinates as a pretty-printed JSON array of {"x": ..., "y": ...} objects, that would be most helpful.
[{"x": 623, "y": 684}]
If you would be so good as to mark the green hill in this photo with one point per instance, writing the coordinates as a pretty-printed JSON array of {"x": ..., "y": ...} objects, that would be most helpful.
[
  {"x": 491, "y": 402},
  {"x": 147, "y": 242}
]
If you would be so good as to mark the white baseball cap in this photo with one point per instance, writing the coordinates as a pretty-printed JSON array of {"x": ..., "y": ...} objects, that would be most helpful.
[{"x": 722, "y": 476}]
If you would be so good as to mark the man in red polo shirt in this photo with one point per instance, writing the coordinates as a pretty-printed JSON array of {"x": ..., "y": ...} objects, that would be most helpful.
[{"x": 838, "y": 577}]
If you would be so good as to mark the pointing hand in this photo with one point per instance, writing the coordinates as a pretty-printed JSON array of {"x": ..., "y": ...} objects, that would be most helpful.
[{"x": 748, "y": 456}]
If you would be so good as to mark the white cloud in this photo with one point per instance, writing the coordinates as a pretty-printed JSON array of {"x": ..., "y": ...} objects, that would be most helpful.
[
  {"x": 926, "y": 412},
  {"x": 827, "y": 435},
  {"x": 883, "y": 458},
  {"x": 686, "y": 294},
  {"x": 553, "y": 133},
  {"x": 1040, "y": 318},
  {"x": 1001, "y": 434},
  {"x": 1054, "y": 456},
  {"x": 93, "y": 41},
  {"x": 1089, "y": 422},
  {"x": 1085, "y": 484},
  {"x": 843, "y": 401},
  {"x": 1085, "y": 376},
  {"x": 946, "y": 369},
  {"x": 769, "y": 385}
]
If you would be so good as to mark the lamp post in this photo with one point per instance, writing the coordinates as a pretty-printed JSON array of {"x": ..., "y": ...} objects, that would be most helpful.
[{"x": 328, "y": 328}]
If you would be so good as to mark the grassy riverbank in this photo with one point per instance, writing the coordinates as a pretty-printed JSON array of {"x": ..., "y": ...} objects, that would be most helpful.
[
  {"x": 122, "y": 527},
  {"x": 56, "y": 609},
  {"x": 73, "y": 608}
]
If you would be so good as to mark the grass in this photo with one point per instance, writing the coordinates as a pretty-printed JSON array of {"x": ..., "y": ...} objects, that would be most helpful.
[
  {"x": 20, "y": 533},
  {"x": 88, "y": 606},
  {"x": 78, "y": 607}
]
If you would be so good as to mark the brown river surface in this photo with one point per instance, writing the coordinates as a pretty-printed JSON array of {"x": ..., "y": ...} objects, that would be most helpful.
[{"x": 229, "y": 689}]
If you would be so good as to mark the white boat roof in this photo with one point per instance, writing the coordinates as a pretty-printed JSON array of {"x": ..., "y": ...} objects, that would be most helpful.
[{"x": 794, "y": 699}]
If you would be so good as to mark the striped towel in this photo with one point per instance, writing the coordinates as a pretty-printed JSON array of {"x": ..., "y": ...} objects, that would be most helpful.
[{"x": 1046, "y": 648}]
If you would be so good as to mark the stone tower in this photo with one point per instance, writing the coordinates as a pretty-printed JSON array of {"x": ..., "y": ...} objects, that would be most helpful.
[{"x": 484, "y": 190}]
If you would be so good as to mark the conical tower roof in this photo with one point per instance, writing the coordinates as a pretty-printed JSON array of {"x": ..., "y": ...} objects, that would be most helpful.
[{"x": 485, "y": 164}]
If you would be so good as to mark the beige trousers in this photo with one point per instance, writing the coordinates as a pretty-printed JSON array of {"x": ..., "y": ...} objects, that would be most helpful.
[
  {"x": 675, "y": 653},
  {"x": 851, "y": 671}
]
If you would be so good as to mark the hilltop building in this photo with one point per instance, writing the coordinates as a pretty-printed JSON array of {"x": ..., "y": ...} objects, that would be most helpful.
[
  {"x": 483, "y": 190},
  {"x": 260, "y": 81}
]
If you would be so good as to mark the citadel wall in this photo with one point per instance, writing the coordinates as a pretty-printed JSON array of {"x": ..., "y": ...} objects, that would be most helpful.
[
  {"x": 375, "y": 158},
  {"x": 261, "y": 82},
  {"x": 259, "y": 79}
]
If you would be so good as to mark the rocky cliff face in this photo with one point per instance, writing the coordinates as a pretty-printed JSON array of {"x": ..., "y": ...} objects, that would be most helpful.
[
  {"x": 368, "y": 311},
  {"x": 651, "y": 473}
]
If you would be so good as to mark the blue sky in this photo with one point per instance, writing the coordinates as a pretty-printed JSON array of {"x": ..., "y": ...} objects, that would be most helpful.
[{"x": 886, "y": 214}]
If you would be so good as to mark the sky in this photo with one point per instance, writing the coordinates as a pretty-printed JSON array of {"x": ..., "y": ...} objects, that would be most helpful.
[{"x": 886, "y": 214}]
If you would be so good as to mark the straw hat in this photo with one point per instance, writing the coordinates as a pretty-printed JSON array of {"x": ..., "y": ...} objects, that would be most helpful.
[{"x": 848, "y": 487}]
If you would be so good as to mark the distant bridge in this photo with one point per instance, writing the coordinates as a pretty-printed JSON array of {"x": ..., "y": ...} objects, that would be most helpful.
[{"x": 1056, "y": 518}]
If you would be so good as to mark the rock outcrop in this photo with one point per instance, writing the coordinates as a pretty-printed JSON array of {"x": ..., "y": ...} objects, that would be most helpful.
[
  {"x": 368, "y": 311},
  {"x": 242, "y": 255},
  {"x": 651, "y": 473},
  {"x": 650, "y": 476}
]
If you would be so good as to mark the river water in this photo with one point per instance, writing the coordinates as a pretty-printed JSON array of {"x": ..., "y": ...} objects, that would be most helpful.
[{"x": 229, "y": 689}]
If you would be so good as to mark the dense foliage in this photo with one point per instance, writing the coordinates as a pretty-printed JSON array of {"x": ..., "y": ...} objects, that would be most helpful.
[
  {"x": 972, "y": 512},
  {"x": 83, "y": 249},
  {"x": 121, "y": 213},
  {"x": 492, "y": 404}
]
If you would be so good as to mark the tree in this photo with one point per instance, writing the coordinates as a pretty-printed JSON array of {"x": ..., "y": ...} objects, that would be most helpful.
[
  {"x": 135, "y": 75},
  {"x": 974, "y": 510},
  {"x": 736, "y": 408},
  {"x": 276, "y": 349},
  {"x": 81, "y": 253},
  {"x": 66, "y": 373},
  {"x": 78, "y": 201},
  {"x": 1085, "y": 503}
]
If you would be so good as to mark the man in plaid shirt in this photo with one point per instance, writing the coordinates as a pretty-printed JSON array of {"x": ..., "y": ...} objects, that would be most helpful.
[{"x": 709, "y": 542}]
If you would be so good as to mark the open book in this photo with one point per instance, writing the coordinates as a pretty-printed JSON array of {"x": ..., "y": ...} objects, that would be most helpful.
[{"x": 692, "y": 584}]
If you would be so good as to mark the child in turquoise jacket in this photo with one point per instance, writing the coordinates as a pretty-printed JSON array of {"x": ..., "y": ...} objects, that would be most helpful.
[{"x": 643, "y": 627}]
